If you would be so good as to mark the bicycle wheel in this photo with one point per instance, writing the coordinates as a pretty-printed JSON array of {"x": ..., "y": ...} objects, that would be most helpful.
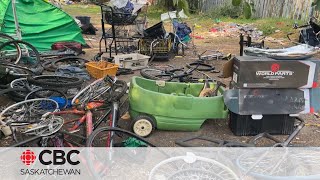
[
  {"x": 47, "y": 126},
  {"x": 155, "y": 74},
  {"x": 27, "y": 50},
  {"x": 23, "y": 84},
  {"x": 71, "y": 60},
  {"x": 280, "y": 163},
  {"x": 191, "y": 167},
  {"x": 11, "y": 55},
  {"x": 55, "y": 81},
  {"x": 91, "y": 92},
  {"x": 28, "y": 111},
  {"x": 99, "y": 165},
  {"x": 53, "y": 94},
  {"x": 201, "y": 66},
  {"x": 101, "y": 136},
  {"x": 16, "y": 71}
]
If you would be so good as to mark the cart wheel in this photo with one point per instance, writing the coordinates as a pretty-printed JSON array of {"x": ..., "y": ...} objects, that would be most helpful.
[{"x": 143, "y": 125}]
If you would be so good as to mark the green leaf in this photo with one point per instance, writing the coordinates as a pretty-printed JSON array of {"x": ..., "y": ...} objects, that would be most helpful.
[
  {"x": 247, "y": 10},
  {"x": 183, "y": 4},
  {"x": 316, "y": 3},
  {"x": 175, "y": 2},
  {"x": 236, "y": 2}
]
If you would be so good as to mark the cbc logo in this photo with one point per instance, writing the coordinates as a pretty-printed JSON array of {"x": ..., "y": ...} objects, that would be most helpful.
[
  {"x": 55, "y": 157},
  {"x": 28, "y": 157}
]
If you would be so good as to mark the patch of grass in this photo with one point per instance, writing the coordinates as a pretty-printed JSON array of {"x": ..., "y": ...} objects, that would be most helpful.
[
  {"x": 154, "y": 13},
  {"x": 267, "y": 25},
  {"x": 206, "y": 21},
  {"x": 81, "y": 9},
  {"x": 270, "y": 25}
]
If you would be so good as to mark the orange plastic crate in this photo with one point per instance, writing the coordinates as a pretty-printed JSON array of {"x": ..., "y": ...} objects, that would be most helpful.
[{"x": 101, "y": 69}]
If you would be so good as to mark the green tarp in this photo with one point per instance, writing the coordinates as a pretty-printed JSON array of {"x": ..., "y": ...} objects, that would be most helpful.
[{"x": 41, "y": 23}]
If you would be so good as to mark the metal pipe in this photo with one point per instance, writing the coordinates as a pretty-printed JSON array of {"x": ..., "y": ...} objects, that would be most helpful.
[{"x": 16, "y": 22}]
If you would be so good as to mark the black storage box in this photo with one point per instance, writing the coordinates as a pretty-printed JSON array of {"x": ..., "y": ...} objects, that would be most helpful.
[
  {"x": 155, "y": 31},
  {"x": 244, "y": 125}
]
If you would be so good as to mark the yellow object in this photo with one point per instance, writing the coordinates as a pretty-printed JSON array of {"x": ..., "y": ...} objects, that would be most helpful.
[
  {"x": 101, "y": 69},
  {"x": 197, "y": 26},
  {"x": 316, "y": 125}
]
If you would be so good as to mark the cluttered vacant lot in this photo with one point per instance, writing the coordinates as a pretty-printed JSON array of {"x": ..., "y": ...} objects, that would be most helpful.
[
  {"x": 210, "y": 35},
  {"x": 214, "y": 36}
]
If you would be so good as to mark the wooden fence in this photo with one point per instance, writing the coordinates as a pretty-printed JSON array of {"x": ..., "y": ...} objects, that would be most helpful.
[{"x": 294, "y": 9}]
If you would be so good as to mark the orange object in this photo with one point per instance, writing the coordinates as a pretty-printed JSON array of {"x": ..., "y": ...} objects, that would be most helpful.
[
  {"x": 101, "y": 69},
  {"x": 92, "y": 105}
]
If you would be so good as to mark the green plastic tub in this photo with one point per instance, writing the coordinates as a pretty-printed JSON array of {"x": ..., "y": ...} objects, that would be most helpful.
[{"x": 172, "y": 105}]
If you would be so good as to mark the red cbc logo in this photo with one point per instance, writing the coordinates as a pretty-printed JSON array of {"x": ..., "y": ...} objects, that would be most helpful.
[
  {"x": 275, "y": 67},
  {"x": 28, "y": 157}
]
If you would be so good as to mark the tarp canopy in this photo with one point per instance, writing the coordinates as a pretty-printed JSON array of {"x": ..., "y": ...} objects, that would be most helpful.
[{"x": 41, "y": 23}]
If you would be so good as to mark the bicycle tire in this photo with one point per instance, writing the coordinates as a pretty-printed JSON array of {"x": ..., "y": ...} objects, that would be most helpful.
[
  {"x": 55, "y": 81},
  {"x": 47, "y": 66},
  {"x": 21, "y": 83},
  {"x": 34, "y": 93},
  {"x": 69, "y": 58},
  {"x": 107, "y": 128},
  {"x": 201, "y": 66},
  {"x": 19, "y": 52},
  {"x": 85, "y": 95},
  {"x": 35, "y": 51},
  {"x": 27, "y": 72},
  {"x": 95, "y": 172},
  {"x": 5, "y": 91},
  {"x": 146, "y": 73}
]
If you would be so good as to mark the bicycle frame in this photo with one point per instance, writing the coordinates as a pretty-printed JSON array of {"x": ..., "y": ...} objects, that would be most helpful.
[{"x": 87, "y": 117}]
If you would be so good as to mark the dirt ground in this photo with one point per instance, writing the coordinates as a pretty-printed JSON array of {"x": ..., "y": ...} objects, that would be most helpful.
[{"x": 216, "y": 129}]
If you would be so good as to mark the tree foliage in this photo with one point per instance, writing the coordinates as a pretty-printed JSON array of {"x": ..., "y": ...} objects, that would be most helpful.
[
  {"x": 316, "y": 4},
  {"x": 248, "y": 7}
]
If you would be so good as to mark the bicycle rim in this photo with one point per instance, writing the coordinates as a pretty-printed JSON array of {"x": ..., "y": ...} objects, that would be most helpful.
[
  {"x": 5, "y": 38},
  {"x": 155, "y": 74}
]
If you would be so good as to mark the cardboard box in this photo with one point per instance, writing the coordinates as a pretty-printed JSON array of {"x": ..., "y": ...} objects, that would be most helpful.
[{"x": 262, "y": 72}]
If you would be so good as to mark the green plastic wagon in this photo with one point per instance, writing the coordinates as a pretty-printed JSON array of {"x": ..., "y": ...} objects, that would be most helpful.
[{"x": 171, "y": 106}]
